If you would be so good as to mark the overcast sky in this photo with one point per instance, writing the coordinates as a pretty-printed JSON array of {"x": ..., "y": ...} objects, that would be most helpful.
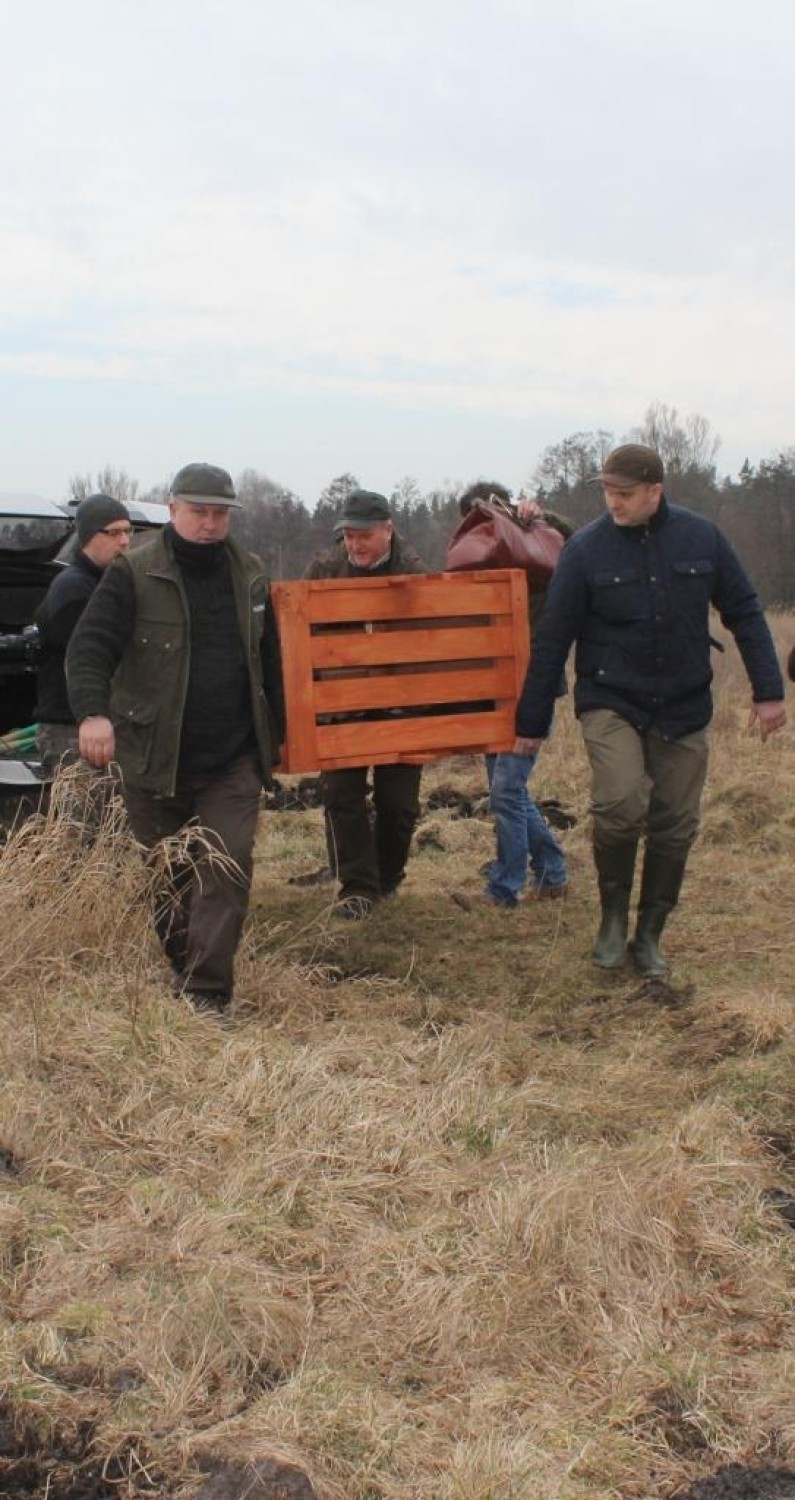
[{"x": 423, "y": 237}]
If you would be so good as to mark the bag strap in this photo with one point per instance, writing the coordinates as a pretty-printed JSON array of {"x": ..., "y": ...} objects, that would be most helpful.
[{"x": 495, "y": 503}]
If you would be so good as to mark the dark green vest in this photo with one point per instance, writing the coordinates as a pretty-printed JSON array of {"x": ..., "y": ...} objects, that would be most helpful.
[{"x": 151, "y": 681}]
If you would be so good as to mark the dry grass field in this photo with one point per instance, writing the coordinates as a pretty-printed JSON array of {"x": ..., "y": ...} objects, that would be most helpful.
[{"x": 442, "y": 1213}]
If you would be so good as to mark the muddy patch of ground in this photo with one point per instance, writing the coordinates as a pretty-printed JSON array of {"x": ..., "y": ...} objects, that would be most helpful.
[
  {"x": 65, "y": 1467},
  {"x": 737, "y": 1482},
  {"x": 596, "y": 1017}
]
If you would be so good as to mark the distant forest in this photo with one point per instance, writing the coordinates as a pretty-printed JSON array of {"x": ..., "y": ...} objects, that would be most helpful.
[{"x": 756, "y": 510}]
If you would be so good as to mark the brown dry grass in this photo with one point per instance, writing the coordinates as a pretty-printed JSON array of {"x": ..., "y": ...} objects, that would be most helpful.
[{"x": 442, "y": 1214}]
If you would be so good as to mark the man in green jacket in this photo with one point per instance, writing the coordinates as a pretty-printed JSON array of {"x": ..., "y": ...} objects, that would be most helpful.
[
  {"x": 174, "y": 672},
  {"x": 370, "y": 860}
]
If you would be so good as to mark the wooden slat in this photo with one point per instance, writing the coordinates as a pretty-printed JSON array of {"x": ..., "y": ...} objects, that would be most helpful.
[
  {"x": 402, "y": 690},
  {"x": 362, "y": 649},
  {"x": 417, "y": 757},
  {"x": 341, "y": 599},
  {"x": 388, "y": 737}
]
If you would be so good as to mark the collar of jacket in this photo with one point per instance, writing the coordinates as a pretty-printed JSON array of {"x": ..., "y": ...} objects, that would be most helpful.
[{"x": 161, "y": 559}]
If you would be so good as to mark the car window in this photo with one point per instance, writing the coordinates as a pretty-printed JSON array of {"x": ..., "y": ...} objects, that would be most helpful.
[{"x": 43, "y": 534}]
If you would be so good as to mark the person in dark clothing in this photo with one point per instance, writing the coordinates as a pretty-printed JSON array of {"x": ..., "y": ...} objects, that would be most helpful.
[
  {"x": 174, "y": 671},
  {"x": 103, "y": 531},
  {"x": 370, "y": 861},
  {"x": 633, "y": 591}
]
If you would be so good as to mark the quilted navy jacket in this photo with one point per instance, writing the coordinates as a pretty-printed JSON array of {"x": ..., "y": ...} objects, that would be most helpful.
[{"x": 636, "y": 601}]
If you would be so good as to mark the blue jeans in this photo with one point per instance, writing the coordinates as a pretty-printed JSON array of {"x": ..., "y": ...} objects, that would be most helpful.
[{"x": 523, "y": 833}]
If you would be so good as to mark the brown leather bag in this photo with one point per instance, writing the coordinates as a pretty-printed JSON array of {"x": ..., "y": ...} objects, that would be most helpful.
[{"x": 490, "y": 536}]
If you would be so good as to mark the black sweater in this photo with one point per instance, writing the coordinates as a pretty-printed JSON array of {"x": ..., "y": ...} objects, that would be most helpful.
[
  {"x": 56, "y": 617},
  {"x": 216, "y": 724}
]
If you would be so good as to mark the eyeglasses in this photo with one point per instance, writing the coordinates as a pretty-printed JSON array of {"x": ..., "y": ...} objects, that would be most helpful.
[{"x": 116, "y": 531}]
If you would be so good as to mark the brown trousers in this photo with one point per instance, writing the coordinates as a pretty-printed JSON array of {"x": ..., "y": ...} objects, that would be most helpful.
[
  {"x": 200, "y": 901},
  {"x": 643, "y": 784}
]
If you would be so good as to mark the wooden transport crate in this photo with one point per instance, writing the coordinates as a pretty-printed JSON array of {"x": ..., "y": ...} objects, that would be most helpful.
[{"x": 401, "y": 669}]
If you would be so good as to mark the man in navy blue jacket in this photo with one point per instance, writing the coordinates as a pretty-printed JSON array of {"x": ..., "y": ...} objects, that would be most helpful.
[{"x": 633, "y": 592}]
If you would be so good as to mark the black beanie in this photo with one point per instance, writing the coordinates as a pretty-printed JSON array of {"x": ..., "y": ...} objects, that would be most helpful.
[{"x": 95, "y": 513}]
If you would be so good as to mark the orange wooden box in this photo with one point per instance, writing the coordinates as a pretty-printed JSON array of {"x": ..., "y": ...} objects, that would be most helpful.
[{"x": 401, "y": 669}]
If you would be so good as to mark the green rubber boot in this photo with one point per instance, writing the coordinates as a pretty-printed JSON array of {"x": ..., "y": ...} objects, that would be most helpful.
[
  {"x": 663, "y": 872},
  {"x": 615, "y": 867}
]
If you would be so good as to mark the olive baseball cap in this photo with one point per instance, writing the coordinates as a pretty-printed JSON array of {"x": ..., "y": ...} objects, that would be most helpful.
[
  {"x": 204, "y": 484},
  {"x": 629, "y": 465},
  {"x": 363, "y": 509}
]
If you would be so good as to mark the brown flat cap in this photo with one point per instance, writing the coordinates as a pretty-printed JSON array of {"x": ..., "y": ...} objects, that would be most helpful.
[{"x": 629, "y": 465}]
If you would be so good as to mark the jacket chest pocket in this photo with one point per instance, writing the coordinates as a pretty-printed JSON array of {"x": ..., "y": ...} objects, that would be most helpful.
[
  {"x": 619, "y": 595},
  {"x": 163, "y": 637},
  {"x": 693, "y": 580}
]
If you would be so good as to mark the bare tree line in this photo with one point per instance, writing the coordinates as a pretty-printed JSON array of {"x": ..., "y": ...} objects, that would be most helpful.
[{"x": 756, "y": 510}]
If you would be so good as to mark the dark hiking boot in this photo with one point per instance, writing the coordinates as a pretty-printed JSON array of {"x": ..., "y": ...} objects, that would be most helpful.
[
  {"x": 354, "y": 908},
  {"x": 549, "y": 892},
  {"x": 663, "y": 873},
  {"x": 480, "y": 900},
  {"x": 208, "y": 1002},
  {"x": 615, "y": 867}
]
